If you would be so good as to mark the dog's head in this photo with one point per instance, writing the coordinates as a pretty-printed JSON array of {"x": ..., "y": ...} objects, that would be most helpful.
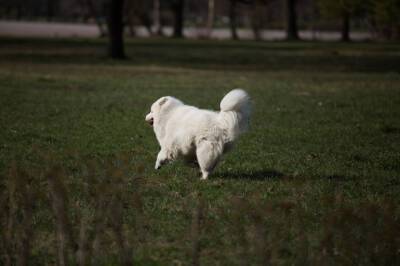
[{"x": 160, "y": 106}]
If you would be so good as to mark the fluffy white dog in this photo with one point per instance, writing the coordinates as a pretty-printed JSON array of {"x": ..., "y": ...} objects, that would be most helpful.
[{"x": 195, "y": 134}]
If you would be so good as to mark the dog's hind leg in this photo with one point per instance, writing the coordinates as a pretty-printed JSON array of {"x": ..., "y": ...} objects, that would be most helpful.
[{"x": 208, "y": 154}]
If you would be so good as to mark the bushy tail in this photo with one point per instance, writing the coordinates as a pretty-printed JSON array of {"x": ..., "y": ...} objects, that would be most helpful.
[{"x": 237, "y": 101}]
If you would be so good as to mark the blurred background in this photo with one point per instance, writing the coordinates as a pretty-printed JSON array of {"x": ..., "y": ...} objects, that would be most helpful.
[{"x": 220, "y": 19}]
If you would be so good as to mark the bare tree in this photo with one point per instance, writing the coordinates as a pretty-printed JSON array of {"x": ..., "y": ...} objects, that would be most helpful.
[
  {"x": 233, "y": 15},
  {"x": 116, "y": 29},
  {"x": 256, "y": 19},
  {"x": 157, "y": 17},
  {"x": 345, "y": 26},
  {"x": 178, "y": 7},
  {"x": 129, "y": 15},
  {"x": 50, "y": 9},
  {"x": 291, "y": 20},
  {"x": 210, "y": 17},
  {"x": 232, "y": 19}
]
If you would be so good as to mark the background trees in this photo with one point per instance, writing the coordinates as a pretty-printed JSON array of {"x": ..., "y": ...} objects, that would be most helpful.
[
  {"x": 377, "y": 16},
  {"x": 384, "y": 18},
  {"x": 169, "y": 17},
  {"x": 343, "y": 10}
]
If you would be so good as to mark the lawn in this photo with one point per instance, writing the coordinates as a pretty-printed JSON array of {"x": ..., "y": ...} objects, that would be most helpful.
[{"x": 316, "y": 180}]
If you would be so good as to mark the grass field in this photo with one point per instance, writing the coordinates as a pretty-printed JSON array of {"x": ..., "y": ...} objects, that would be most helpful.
[{"x": 316, "y": 180}]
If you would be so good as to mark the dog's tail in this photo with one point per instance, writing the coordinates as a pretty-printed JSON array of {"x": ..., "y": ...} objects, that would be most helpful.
[{"x": 237, "y": 103}]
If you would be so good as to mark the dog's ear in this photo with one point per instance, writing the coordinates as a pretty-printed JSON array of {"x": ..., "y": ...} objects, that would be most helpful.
[{"x": 163, "y": 100}]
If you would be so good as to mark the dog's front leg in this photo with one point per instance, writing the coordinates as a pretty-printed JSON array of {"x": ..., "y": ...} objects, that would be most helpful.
[{"x": 162, "y": 159}]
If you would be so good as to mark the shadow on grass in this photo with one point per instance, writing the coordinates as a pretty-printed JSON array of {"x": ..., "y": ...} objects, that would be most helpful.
[{"x": 266, "y": 174}]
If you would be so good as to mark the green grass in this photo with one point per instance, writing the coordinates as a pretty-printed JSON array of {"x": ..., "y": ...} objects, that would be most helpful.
[{"x": 314, "y": 181}]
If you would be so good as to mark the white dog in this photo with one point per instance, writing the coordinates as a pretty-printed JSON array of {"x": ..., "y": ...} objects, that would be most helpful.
[{"x": 194, "y": 134}]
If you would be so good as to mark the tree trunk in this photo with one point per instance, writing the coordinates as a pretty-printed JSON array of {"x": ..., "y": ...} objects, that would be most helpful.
[
  {"x": 256, "y": 20},
  {"x": 116, "y": 29},
  {"x": 314, "y": 12},
  {"x": 346, "y": 27},
  {"x": 210, "y": 17},
  {"x": 50, "y": 10},
  {"x": 157, "y": 18},
  {"x": 291, "y": 20},
  {"x": 178, "y": 6},
  {"x": 232, "y": 19}
]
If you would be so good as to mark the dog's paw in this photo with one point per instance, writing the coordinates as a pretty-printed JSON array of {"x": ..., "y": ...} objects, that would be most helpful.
[
  {"x": 204, "y": 176},
  {"x": 158, "y": 164}
]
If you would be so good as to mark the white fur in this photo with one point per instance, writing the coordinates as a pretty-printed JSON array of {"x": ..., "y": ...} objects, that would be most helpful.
[{"x": 191, "y": 133}]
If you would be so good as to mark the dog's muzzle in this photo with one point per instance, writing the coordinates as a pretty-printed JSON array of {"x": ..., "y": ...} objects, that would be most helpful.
[{"x": 150, "y": 119}]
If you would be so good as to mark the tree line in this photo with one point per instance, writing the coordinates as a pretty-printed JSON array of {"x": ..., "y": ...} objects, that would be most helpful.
[{"x": 114, "y": 17}]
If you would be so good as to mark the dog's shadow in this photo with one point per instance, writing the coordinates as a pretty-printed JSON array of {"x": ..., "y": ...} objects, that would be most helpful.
[{"x": 266, "y": 174}]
